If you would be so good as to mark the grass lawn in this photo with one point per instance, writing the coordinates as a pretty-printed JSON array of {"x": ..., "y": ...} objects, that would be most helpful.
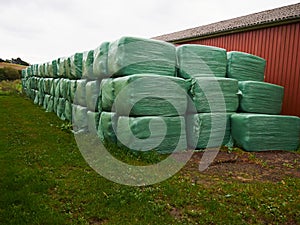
[{"x": 45, "y": 180}]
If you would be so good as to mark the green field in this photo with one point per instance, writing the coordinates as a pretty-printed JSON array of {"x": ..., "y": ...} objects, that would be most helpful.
[{"x": 45, "y": 180}]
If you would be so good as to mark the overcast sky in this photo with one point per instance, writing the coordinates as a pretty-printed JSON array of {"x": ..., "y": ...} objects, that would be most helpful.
[{"x": 42, "y": 30}]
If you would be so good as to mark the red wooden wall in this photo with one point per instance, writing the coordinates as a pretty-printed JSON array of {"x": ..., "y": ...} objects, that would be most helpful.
[{"x": 280, "y": 46}]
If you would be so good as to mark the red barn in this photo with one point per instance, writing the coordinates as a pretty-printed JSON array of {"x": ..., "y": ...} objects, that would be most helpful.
[{"x": 272, "y": 34}]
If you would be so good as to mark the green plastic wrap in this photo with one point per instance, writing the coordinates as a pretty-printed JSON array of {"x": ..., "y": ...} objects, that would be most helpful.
[
  {"x": 100, "y": 69},
  {"x": 46, "y": 101},
  {"x": 245, "y": 67},
  {"x": 55, "y": 83},
  {"x": 55, "y": 104},
  {"x": 92, "y": 90},
  {"x": 130, "y": 55},
  {"x": 61, "y": 67},
  {"x": 50, "y": 69},
  {"x": 201, "y": 61},
  {"x": 41, "y": 70},
  {"x": 72, "y": 90},
  {"x": 64, "y": 88},
  {"x": 80, "y": 96},
  {"x": 60, "y": 111},
  {"x": 68, "y": 110},
  {"x": 208, "y": 130},
  {"x": 47, "y": 85},
  {"x": 260, "y": 97},
  {"x": 76, "y": 66},
  {"x": 79, "y": 118},
  {"x": 218, "y": 92},
  {"x": 150, "y": 95},
  {"x": 55, "y": 68},
  {"x": 29, "y": 71},
  {"x": 57, "y": 89},
  {"x": 93, "y": 121},
  {"x": 87, "y": 64},
  {"x": 67, "y": 67},
  {"x": 167, "y": 134},
  {"x": 50, "y": 104},
  {"x": 106, "y": 96},
  {"x": 107, "y": 127},
  {"x": 261, "y": 132}
]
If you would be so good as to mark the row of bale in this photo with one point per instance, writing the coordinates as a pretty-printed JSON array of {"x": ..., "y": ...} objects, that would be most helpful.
[{"x": 147, "y": 94}]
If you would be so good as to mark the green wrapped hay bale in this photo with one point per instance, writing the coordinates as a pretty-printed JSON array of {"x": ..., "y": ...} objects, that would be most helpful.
[
  {"x": 61, "y": 67},
  {"x": 87, "y": 64},
  {"x": 55, "y": 104},
  {"x": 245, "y": 67},
  {"x": 213, "y": 94},
  {"x": 57, "y": 89},
  {"x": 29, "y": 71},
  {"x": 68, "y": 110},
  {"x": 64, "y": 88},
  {"x": 80, "y": 95},
  {"x": 67, "y": 67},
  {"x": 130, "y": 55},
  {"x": 93, "y": 121},
  {"x": 55, "y": 83},
  {"x": 46, "y": 101},
  {"x": 55, "y": 68},
  {"x": 50, "y": 104},
  {"x": 79, "y": 118},
  {"x": 260, "y": 97},
  {"x": 261, "y": 132},
  {"x": 100, "y": 67},
  {"x": 107, "y": 95},
  {"x": 41, "y": 70},
  {"x": 201, "y": 61},
  {"x": 150, "y": 95},
  {"x": 167, "y": 134},
  {"x": 208, "y": 130},
  {"x": 50, "y": 69},
  {"x": 107, "y": 127},
  {"x": 47, "y": 85},
  {"x": 60, "y": 111},
  {"x": 92, "y": 90},
  {"x": 72, "y": 90},
  {"x": 76, "y": 66}
]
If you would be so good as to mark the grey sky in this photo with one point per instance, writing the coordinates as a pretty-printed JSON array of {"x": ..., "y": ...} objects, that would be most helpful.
[{"x": 41, "y": 30}]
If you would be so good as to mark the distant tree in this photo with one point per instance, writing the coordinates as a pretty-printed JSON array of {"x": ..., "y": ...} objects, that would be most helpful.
[{"x": 1, "y": 60}]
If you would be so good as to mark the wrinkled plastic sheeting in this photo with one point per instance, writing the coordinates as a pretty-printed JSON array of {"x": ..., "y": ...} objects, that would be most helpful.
[
  {"x": 60, "y": 111},
  {"x": 80, "y": 95},
  {"x": 106, "y": 96},
  {"x": 150, "y": 95},
  {"x": 130, "y": 55},
  {"x": 201, "y": 61},
  {"x": 261, "y": 132},
  {"x": 92, "y": 90},
  {"x": 87, "y": 64},
  {"x": 260, "y": 97},
  {"x": 93, "y": 121},
  {"x": 214, "y": 95},
  {"x": 208, "y": 130},
  {"x": 100, "y": 67},
  {"x": 72, "y": 90},
  {"x": 107, "y": 127},
  {"x": 76, "y": 66},
  {"x": 79, "y": 118},
  {"x": 68, "y": 110},
  {"x": 245, "y": 67},
  {"x": 162, "y": 134}
]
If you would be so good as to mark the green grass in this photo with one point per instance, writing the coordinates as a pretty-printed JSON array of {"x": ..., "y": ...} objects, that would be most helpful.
[{"x": 45, "y": 180}]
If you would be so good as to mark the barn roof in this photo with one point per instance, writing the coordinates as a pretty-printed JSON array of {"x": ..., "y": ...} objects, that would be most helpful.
[{"x": 266, "y": 18}]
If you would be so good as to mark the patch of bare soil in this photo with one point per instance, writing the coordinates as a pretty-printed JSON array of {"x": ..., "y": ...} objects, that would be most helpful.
[{"x": 271, "y": 166}]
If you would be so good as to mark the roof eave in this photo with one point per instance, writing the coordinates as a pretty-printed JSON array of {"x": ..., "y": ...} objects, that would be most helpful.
[{"x": 237, "y": 30}]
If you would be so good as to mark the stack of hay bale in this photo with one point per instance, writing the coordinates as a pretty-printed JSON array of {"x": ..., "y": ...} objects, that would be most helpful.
[
  {"x": 147, "y": 94},
  {"x": 258, "y": 126}
]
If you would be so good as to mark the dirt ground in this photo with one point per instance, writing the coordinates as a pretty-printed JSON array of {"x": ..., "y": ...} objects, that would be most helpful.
[{"x": 271, "y": 166}]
